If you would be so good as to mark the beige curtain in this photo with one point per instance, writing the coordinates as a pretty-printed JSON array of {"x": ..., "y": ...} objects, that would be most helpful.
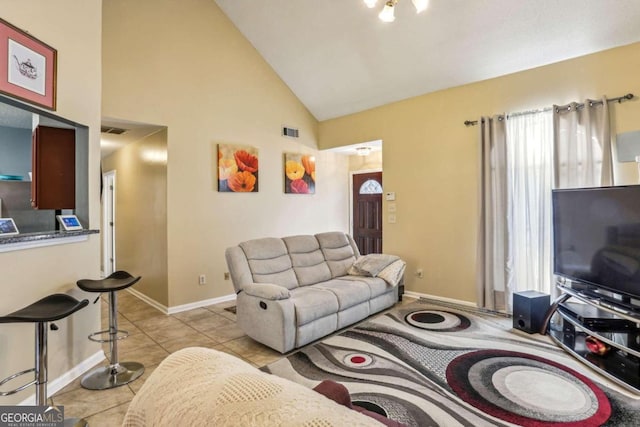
[
  {"x": 515, "y": 191},
  {"x": 582, "y": 141},
  {"x": 582, "y": 144},
  {"x": 492, "y": 229}
]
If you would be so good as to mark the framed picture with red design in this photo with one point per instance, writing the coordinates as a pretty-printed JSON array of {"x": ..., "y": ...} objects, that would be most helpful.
[
  {"x": 237, "y": 168},
  {"x": 299, "y": 173},
  {"x": 27, "y": 67}
]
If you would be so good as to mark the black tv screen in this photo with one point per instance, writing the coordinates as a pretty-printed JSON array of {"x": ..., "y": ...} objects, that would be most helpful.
[{"x": 596, "y": 237}]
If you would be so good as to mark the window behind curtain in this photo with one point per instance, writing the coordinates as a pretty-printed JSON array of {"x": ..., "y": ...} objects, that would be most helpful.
[{"x": 529, "y": 140}]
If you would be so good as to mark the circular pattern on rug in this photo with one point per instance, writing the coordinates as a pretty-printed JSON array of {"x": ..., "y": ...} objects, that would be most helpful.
[
  {"x": 395, "y": 408},
  {"x": 370, "y": 406},
  {"x": 357, "y": 360},
  {"x": 527, "y": 390},
  {"x": 437, "y": 320}
]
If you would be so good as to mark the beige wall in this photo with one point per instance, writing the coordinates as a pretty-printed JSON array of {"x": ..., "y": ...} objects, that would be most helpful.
[
  {"x": 431, "y": 158},
  {"x": 371, "y": 162},
  {"x": 30, "y": 274},
  {"x": 187, "y": 67},
  {"x": 141, "y": 212}
]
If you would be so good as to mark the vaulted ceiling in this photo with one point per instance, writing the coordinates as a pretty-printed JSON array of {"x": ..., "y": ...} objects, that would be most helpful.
[{"x": 339, "y": 58}]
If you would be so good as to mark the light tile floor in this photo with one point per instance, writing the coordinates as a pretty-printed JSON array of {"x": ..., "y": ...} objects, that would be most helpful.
[{"x": 153, "y": 336}]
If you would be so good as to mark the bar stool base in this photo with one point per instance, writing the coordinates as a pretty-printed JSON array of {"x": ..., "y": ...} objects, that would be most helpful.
[
  {"x": 75, "y": 422},
  {"x": 112, "y": 376}
]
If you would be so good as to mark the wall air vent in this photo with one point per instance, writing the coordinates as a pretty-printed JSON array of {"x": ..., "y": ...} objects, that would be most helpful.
[
  {"x": 113, "y": 130},
  {"x": 290, "y": 132}
]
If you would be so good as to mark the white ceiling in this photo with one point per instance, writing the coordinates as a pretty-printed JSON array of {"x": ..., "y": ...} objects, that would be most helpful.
[{"x": 339, "y": 58}]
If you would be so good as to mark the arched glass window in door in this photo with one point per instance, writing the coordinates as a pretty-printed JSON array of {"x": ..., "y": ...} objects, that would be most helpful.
[{"x": 370, "y": 186}]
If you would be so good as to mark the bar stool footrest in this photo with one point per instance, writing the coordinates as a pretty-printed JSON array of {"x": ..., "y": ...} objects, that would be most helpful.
[
  {"x": 22, "y": 387},
  {"x": 124, "y": 335},
  {"x": 112, "y": 376}
]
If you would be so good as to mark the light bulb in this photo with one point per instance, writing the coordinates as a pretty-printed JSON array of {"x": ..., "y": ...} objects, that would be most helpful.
[
  {"x": 387, "y": 12},
  {"x": 371, "y": 3},
  {"x": 363, "y": 151},
  {"x": 420, "y": 5}
]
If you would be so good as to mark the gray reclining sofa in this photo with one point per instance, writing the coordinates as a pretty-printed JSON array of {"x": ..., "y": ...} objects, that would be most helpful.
[{"x": 294, "y": 290}]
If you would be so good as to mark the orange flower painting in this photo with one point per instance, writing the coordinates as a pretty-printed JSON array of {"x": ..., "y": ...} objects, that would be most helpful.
[
  {"x": 237, "y": 169},
  {"x": 299, "y": 173}
]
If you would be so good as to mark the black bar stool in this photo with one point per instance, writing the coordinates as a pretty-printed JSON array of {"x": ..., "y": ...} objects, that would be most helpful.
[
  {"x": 117, "y": 373},
  {"x": 48, "y": 309}
]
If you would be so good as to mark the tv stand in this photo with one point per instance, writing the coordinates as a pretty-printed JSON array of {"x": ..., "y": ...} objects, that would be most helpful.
[{"x": 616, "y": 326}]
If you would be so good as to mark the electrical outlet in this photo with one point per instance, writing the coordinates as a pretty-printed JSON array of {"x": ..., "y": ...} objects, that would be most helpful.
[
  {"x": 226, "y": 275},
  {"x": 202, "y": 279},
  {"x": 419, "y": 273}
]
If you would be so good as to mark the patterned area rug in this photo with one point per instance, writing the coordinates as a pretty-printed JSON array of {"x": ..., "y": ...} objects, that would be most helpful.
[{"x": 429, "y": 365}]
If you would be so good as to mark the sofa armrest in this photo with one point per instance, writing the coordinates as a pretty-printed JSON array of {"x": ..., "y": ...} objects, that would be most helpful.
[
  {"x": 267, "y": 291},
  {"x": 271, "y": 322}
]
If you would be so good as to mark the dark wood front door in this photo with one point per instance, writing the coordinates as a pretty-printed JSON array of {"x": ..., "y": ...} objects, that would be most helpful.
[{"x": 367, "y": 212}]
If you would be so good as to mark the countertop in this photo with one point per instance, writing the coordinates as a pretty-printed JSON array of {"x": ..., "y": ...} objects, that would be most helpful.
[{"x": 48, "y": 236}]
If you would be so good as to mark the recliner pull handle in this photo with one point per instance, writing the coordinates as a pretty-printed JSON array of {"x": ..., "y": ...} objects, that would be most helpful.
[{"x": 263, "y": 305}]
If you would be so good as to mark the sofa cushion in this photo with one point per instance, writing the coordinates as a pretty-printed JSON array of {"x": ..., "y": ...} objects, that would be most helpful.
[
  {"x": 338, "y": 251},
  {"x": 269, "y": 262},
  {"x": 348, "y": 293},
  {"x": 311, "y": 303},
  {"x": 238, "y": 268},
  {"x": 376, "y": 285},
  {"x": 307, "y": 259}
]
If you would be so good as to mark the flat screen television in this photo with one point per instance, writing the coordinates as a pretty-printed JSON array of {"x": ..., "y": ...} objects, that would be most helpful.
[{"x": 596, "y": 239}]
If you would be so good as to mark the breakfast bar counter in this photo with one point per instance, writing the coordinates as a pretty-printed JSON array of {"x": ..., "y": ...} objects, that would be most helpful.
[{"x": 46, "y": 238}]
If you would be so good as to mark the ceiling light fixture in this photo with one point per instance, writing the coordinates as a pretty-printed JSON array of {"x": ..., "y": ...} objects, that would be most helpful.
[
  {"x": 387, "y": 13},
  {"x": 363, "y": 151}
]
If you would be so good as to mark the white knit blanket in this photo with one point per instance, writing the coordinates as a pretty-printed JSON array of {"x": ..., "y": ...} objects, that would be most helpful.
[
  {"x": 390, "y": 268},
  {"x": 204, "y": 387},
  {"x": 393, "y": 273}
]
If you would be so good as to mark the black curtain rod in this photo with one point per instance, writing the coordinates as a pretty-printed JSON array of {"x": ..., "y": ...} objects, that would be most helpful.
[{"x": 619, "y": 100}]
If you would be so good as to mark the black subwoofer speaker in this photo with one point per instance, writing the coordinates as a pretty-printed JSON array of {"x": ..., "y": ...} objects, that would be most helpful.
[{"x": 529, "y": 308}]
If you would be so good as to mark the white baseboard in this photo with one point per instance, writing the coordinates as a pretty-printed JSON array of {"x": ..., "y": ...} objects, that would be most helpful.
[
  {"x": 203, "y": 303},
  {"x": 443, "y": 299},
  {"x": 184, "y": 307},
  {"x": 67, "y": 378},
  {"x": 153, "y": 303}
]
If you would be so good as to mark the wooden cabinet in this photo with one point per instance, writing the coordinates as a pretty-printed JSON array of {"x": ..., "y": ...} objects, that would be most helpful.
[{"x": 53, "y": 184}]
